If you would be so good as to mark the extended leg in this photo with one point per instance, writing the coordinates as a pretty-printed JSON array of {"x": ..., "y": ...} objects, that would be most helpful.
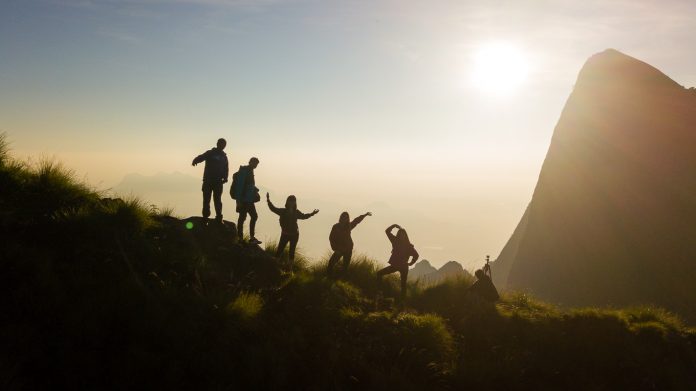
[
  {"x": 240, "y": 221},
  {"x": 387, "y": 270},
  {"x": 207, "y": 191},
  {"x": 217, "y": 200},
  {"x": 254, "y": 216},
  {"x": 293, "y": 245},
  {"x": 404, "y": 280},
  {"x": 332, "y": 262},
  {"x": 346, "y": 260},
  {"x": 282, "y": 242}
]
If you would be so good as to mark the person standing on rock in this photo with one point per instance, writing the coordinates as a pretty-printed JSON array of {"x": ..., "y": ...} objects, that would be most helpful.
[
  {"x": 289, "y": 231},
  {"x": 245, "y": 192},
  {"x": 402, "y": 250},
  {"x": 341, "y": 241},
  {"x": 214, "y": 176}
]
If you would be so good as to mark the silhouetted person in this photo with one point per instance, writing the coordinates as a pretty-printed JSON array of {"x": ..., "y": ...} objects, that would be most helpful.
[
  {"x": 214, "y": 175},
  {"x": 289, "y": 231},
  {"x": 483, "y": 287},
  {"x": 402, "y": 250},
  {"x": 341, "y": 241},
  {"x": 247, "y": 194}
]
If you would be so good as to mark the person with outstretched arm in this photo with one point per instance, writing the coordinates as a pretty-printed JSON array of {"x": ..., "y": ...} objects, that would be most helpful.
[
  {"x": 402, "y": 250},
  {"x": 289, "y": 231},
  {"x": 341, "y": 241},
  {"x": 246, "y": 193},
  {"x": 214, "y": 176}
]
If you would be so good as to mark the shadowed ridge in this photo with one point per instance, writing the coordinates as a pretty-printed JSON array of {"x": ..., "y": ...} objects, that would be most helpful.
[{"x": 613, "y": 214}]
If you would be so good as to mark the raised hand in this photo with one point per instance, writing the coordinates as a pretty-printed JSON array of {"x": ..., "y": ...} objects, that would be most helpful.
[
  {"x": 315, "y": 211},
  {"x": 368, "y": 214}
]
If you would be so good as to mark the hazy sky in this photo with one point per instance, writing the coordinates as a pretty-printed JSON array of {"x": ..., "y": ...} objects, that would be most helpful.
[{"x": 348, "y": 102}]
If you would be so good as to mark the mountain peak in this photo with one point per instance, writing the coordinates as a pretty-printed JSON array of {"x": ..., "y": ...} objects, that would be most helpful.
[{"x": 610, "y": 67}]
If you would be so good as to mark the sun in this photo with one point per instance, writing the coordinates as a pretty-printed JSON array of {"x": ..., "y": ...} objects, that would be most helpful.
[{"x": 499, "y": 69}]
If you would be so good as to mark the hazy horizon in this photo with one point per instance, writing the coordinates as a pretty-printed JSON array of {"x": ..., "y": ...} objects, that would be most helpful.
[{"x": 347, "y": 104}]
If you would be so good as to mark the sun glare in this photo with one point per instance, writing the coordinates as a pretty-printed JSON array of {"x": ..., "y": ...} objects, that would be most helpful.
[{"x": 499, "y": 69}]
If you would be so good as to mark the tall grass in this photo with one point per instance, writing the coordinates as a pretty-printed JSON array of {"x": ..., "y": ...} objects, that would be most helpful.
[{"x": 4, "y": 149}]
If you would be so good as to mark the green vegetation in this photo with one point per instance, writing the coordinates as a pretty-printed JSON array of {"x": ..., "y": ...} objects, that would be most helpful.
[{"x": 111, "y": 293}]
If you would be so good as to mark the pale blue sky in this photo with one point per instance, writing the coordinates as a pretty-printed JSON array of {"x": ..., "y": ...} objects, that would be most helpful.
[{"x": 363, "y": 101}]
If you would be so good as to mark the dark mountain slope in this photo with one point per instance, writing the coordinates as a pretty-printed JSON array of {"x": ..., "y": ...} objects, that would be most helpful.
[{"x": 613, "y": 216}]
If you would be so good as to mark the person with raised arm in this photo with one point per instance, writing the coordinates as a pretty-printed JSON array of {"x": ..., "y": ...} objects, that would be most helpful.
[
  {"x": 214, "y": 176},
  {"x": 402, "y": 250},
  {"x": 289, "y": 230},
  {"x": 341, "y": 241}
]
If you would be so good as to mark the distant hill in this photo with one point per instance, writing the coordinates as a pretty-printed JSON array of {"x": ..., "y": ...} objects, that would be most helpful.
[
  {"x": 429, "y": 275},
  {"x": 420, "y": 269},
  {"x": 612, "y": 220}
]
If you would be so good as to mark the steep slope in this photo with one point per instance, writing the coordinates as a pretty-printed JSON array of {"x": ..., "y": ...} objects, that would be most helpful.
[{"x": 613, "y": 216}]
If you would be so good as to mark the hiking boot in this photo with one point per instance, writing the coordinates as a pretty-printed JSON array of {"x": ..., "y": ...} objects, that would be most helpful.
[{"x": 254, "y": 241}]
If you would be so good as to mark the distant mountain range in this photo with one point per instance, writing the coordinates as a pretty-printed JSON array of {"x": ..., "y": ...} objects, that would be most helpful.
[
  {"x": 612, "y": 220},
  {"x": 424, "y": 272}
]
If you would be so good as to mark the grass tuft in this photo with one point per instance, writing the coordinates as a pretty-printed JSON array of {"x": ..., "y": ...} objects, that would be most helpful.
[{"x": 247, "y": 305}]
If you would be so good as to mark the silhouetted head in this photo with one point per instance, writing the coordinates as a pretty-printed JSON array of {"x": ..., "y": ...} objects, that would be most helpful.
[
  {"x": 221, "y": 144},
  {"x": 479, "y": 274},
  {"x": 344, "y": 218},
  {"x": 291, "y": 202},
  {"x": 402, "y": 237},
  {"x": 253, "y": 162}
]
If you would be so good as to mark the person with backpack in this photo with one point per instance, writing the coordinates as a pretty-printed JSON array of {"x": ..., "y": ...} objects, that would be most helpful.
[
  {"x": 289, "y": 231},
  {"x": 483, "y": 287},
  {"x": 214, "y": 176},
  {"x": 402, "y": 250},
  {"x": 245, "y": 192},
  {"x": 341, "y": 241}
]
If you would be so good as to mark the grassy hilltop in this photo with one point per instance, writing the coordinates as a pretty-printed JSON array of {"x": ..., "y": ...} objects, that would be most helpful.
[{"x": 104, "y": 293}]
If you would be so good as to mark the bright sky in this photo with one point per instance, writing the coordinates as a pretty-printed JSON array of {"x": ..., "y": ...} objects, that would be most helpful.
[{"x": 442, "y": 110}]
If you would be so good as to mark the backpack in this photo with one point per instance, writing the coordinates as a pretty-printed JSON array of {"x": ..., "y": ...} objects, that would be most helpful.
[{"x": 237, "y": 180}]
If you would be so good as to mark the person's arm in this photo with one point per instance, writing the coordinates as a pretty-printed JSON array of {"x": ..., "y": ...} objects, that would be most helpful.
[
  {"x": 415, "y": 257},
  {"x": 200, "y": 158},
  {"x": 225, "y": 171},
  {"x": 305, "y": 216},
  {"x": 389, "y": 229},
  {"x": 359, "y": 220},
  {"x": 272, "y": 207}
]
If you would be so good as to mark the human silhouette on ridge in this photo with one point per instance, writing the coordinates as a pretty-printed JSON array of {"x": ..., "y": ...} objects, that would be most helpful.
[
  {"x": 341, "y": 241},
  {"x": 215, "y": 175},
  {"x": 483, "y": 287},
  {"x": 402, "y": 250},
  {"x": 289, "y": 231},
  {"x": 245, "y": 192}
]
